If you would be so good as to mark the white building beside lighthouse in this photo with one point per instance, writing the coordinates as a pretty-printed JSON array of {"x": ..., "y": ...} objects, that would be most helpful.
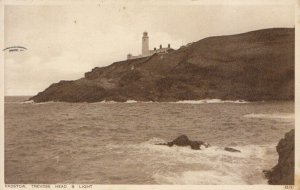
[{"x": 145, "y": 48}]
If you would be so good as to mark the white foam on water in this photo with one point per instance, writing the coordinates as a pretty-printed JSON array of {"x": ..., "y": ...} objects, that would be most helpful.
[
  {"x": 198, "y": 178},
  {"x": 131, "y": 101},
  {"x": 134, "y": 101},
  {"x": 106, "y": 102},
  {"x": 110, "y": 102},
  {"x": 212, "y": 165},
  {"x": 285, "y": 116},
  {"x": 186, "y": 154},
  {"x": 28, "y": 102},
  {"x": 154, "y": 141},
  {"x": 210, "y": 101},
  {"x": 36, "y": 103},
  {"x": 204, "y": 101}
]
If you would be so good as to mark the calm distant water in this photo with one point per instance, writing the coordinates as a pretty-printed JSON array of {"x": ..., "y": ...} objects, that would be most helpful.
[{"x": 113, "y": 143}]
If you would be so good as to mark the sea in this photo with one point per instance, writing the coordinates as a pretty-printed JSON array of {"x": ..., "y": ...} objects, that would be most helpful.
[{"x": 115, "y": 143}]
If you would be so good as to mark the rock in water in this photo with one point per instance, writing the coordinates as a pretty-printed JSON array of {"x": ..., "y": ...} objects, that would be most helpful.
[
  {"x": 195, "y": 145},
  {"x": 182, "y": 140},
  {"x": 231, "y": 149},
  {"x": 283, "y": 172}
]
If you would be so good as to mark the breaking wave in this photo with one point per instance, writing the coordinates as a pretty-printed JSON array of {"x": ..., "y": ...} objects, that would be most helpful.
[
  {"x": 106, "y": 102},
  {"x": 204, "y": 101},
  {"x": 131, "y": 101},
  {"x": 28, "y": 102},
  {"x": 128, "y": 102},
  {"x": 281, "y": 116},
  {"x": 40, "y": 103},
  {"x": 210, "y": 101},
  {"x": 198, "y": 178},
  {"x": 210, "y": 166}
]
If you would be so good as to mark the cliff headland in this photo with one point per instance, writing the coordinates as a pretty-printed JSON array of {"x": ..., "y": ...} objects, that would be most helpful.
[
  {"x": 283, "y": 172},
  {"x": 252, "y": 66}
]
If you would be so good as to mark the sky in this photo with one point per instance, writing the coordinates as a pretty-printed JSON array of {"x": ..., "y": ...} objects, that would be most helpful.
[{"x": 65, "y": 41}]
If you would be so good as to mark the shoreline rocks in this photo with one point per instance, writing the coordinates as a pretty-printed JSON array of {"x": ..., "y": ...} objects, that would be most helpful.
[{"x": 283, "y": 172}]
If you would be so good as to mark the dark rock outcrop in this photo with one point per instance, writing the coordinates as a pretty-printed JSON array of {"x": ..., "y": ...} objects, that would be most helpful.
[
  {"x": 183, "y": 140},
  {"x": 283, "y": 172},
  {"x": 229, "y": 149},
  {"x": 196, "y": 145},
  {"x": 260, "y": 62}
]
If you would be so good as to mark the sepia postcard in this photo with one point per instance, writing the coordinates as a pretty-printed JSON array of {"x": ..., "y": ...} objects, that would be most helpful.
[{"x": 129, "y": 94}]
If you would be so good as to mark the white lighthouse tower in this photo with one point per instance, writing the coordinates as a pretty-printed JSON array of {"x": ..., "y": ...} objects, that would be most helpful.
[
  {"x": 146, "y": 52},
  {"x": 145, "y": 44}
]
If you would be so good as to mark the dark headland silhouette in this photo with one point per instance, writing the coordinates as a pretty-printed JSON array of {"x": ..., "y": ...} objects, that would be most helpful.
[
  {"x": 252, "y": 66},
  {"x": 284, "y": 171}
]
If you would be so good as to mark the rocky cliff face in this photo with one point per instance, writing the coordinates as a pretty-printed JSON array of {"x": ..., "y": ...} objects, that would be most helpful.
[
  {"x": 252, "y": 66},
  {"x": 283, "y": 172}
]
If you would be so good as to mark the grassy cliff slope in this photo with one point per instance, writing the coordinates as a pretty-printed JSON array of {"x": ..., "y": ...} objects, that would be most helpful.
[{"x": 257, "y": 65}]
